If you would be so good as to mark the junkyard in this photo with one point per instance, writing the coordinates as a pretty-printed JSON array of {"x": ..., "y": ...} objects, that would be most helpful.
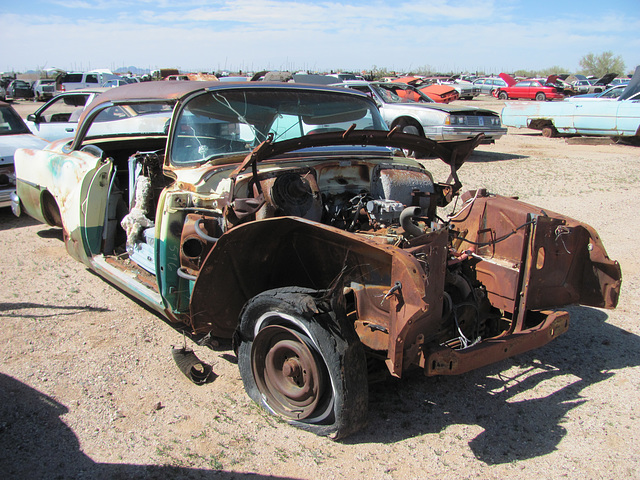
[{"x": 88, "y": 376}]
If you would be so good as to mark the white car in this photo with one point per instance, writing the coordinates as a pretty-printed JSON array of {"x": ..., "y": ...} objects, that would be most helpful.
[
  {"x": 407, "y": 107},
  {"x": 14, "y": 134},
  {"x": 59, "y": 117}
]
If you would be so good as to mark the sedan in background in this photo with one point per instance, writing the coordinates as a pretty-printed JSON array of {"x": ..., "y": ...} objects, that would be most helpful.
[
  {"x": 528, "y": 89},
  {"x": 14, "y": 134},
  {"x": 489, "y": 85},
  {"x": 583, "y": 116},
  {"x": 58, "y": 118},
  {"x": 18, "y": 89},
  {"x": 408, "y": 108},
  {"x": 609, "y": 94}
]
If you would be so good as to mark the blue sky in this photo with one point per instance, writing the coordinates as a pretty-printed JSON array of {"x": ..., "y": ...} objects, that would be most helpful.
[{"x": 195, "y": 35}]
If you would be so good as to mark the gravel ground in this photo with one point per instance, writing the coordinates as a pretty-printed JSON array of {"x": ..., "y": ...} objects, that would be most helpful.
[{"x": 88, "y": 388}]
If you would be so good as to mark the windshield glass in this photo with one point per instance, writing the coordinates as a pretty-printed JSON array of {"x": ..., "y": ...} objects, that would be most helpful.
[
  {"x": 231, "y": 122},
  {"x": 11, "y": 123},
  {"x": 134, "y": 119},
  {"x": 400, "y": 93}
]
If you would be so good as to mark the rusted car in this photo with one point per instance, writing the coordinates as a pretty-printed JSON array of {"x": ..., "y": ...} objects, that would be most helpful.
[
  {"x": 285, "y": 222},
  {"x": 435, "y": 91}
]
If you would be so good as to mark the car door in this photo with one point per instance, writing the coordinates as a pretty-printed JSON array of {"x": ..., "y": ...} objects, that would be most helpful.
[
  {"x": 58, "y": 118},
  {"x": 520, "y": 90},
  {"x": 596, "y": 118}
]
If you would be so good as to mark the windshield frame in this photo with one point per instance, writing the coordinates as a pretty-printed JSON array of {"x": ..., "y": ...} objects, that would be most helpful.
[
  {"x": 261, "y": 115},
  {"x": 377, "y": 86}
]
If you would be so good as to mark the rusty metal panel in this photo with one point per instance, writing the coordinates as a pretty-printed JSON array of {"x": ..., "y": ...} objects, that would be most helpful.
[{"x": 446, "y": 361}]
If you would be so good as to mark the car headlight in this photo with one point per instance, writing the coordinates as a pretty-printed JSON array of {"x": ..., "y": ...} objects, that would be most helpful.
[{"x": 455, "y": 120}]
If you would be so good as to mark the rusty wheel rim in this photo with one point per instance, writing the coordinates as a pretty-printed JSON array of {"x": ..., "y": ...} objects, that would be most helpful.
[{"x": 287, "y": 371}]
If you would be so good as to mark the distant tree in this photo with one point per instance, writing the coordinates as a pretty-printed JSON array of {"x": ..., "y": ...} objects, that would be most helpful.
[
  {"x": 599, "y": 65},
  {"x": 545, "y": 72},
  {"x": 377, "y": 73},
  {"x": 555, "y": 70}
]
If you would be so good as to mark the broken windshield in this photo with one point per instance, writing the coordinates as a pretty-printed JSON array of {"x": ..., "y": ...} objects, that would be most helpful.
[{"x": 231, "y": 122}]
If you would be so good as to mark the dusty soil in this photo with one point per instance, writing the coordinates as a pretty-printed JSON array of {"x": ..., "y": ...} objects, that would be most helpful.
[{"x": 88, "y": 388}]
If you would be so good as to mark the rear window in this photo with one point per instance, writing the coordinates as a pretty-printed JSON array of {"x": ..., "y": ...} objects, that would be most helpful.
[{"x": 72, "y": 78}]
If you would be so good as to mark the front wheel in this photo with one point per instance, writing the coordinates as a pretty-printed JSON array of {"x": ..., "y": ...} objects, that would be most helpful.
[
  {"x": 541, "y": 97},
  {"x": 301, "y": 360},
  {"x": 503, "y": 95}
]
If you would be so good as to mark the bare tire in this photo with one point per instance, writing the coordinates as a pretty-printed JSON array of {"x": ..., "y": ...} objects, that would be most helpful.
[
  {"x": 302, "y": 361},
  {"x": 549, "y": 131},
  {"x": 503, "y": 95},
  {"x": 541, "y": 97}
]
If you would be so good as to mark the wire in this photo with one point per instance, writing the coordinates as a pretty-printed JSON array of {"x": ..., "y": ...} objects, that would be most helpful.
[{"x": 497, "y": 240}]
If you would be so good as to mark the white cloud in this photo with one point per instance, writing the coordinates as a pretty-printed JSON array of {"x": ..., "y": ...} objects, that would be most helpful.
[{"x": 251, "y": 34}]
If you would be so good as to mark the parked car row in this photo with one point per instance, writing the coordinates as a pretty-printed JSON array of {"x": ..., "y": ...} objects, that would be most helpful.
[{"x": 599, "y": 115}]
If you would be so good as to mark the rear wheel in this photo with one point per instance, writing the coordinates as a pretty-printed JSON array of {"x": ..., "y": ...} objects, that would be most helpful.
[
  {"x": 503, "y": 95},
  {"x": 302, "y": 361},
  {"x": 541, "y": 97},
  {"x": 549, "y": 131}
]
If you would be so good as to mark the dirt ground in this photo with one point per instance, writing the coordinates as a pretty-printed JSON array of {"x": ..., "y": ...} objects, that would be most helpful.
[{"x": 88, "y": 387}]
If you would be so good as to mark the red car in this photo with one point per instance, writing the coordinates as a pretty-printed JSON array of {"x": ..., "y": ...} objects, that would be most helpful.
[{"x": 533, "y": 89}]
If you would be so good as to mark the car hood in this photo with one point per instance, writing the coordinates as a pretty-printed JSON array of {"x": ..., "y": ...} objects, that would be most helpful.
[
  {"x": 453, "y": 152},
  {"x": 633, "y": 87},
  {"x": 606, "y": 79},
  {"x": 450, "y": 109},
  {"x": 10, "y": 143},
  {"x": 508, "y": 78}
]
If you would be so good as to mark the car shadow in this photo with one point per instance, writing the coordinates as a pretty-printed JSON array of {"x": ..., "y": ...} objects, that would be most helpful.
[
  {"x": 36, "y": 443},
  {"x": 53, "y": 232},
  {"x": 483, "y": 156},
  {"x": 56, "y": 310},
  {"x": 514, "y": 429},
  {"x": 8, "y": 220}
]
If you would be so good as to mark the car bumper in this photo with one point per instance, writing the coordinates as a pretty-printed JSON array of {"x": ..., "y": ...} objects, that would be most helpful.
[
  {"x": 445, "y": 361},
  {"x": 455, "y": 133},
  {"x": 5, "y": 197}
]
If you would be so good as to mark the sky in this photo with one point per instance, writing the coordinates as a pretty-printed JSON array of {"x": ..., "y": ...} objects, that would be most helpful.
[{"x": 353, "y": 35}]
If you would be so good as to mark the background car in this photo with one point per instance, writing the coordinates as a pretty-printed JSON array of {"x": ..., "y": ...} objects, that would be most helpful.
[
  {"x": 439, "y": 93},
  {"x": 405, "y": 106},
  {"x": 43, "y": 89},
  {"x": 19, "y": 89},
  {"x": 489, "y": 84},
  {"x": 528, "y": 89},
  {"x": 14, "y": 134},
  {"x": 58, "y": 118},
  {"x": 75, "y": 80},
  {"x": 609, "y": 94},
  {"x": 583, "y": 116},
  {"x": 115, "y": 82}
]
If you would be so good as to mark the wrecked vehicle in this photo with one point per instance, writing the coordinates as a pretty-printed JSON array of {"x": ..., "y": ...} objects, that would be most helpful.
[
  {"x": 406, "y": 107},
  {"x": 439, "y": 93},
  {"x": 285, "y": 222},
  {"x": 616, "y": 117}
]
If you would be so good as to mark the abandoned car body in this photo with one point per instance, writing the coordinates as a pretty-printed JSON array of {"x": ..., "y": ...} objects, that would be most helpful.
[
  {"x": 619, "y": 117},
  {"x": 285, "y": 220}
]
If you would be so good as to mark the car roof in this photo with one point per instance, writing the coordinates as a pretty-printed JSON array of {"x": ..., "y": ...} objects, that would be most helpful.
[
  {"x": 84, "y": 90},
  {"x": 160, "y": 91}
]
